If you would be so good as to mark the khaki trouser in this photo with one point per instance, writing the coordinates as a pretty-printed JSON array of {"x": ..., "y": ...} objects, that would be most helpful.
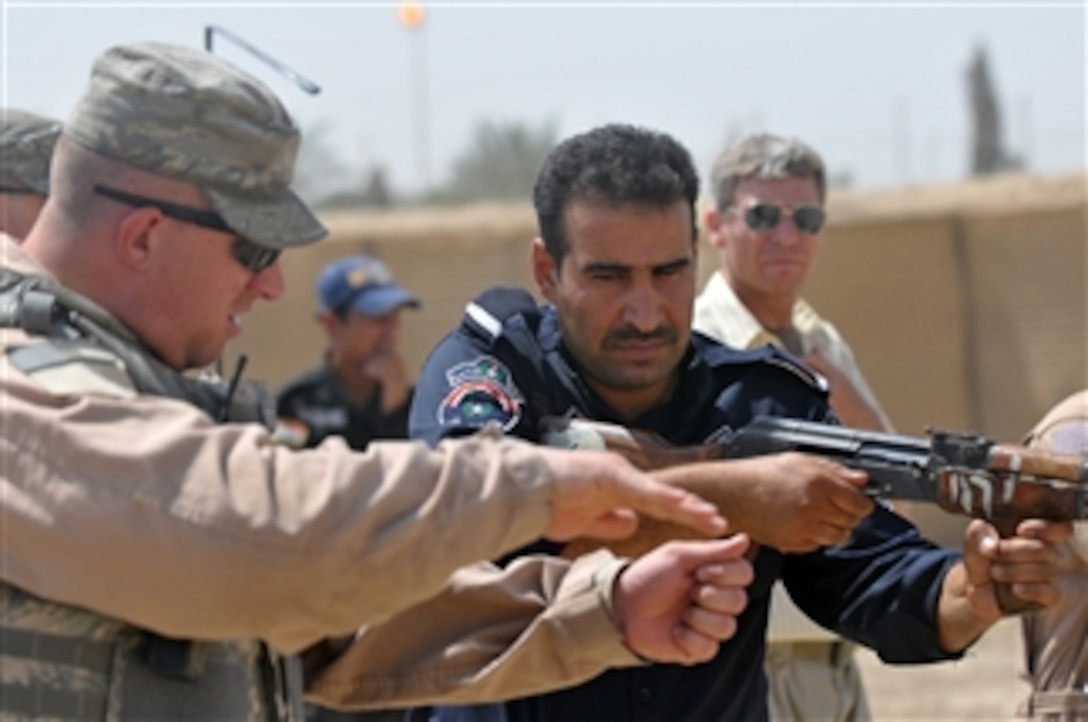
[
  {"x": 315, "y": 713},
  {"x": 814, "y": 682},
  {"x": 1057, "y": 706}
]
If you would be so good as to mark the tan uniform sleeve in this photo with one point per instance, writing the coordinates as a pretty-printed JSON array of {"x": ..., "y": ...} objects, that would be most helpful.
[
  {"x": 540, "y": 623},
  {"x": 1055, "y": 654},
  {"x": 144, "y": 510}
]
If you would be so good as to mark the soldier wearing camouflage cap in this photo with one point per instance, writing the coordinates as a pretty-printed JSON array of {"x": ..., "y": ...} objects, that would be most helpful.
[
  {"x": 26, "y": 147},
  {"x": 163, "y": 559}
]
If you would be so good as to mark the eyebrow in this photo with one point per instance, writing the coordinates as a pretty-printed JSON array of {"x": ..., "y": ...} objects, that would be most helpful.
[
  {"x": 678, "y": 264},
  {"x": 613, "y": 267},
  {"x": 596, "y": 266}
]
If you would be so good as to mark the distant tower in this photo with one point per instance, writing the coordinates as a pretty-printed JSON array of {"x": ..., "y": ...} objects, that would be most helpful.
[{"x": 988, "y": 154}]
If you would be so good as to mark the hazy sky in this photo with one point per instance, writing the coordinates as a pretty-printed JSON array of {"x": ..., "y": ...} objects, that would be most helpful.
[{"x": 878, "y": 86}]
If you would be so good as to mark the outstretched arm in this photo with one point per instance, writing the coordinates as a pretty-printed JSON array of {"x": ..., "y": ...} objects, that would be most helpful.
[
  {"x": 540, "y": 624},
  {"x": 239, "y": 538}
]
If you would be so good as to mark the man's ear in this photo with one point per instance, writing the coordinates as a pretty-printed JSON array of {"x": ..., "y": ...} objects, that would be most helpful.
[
  {"x": 329, "y": 321},
  {"x": 135, "y": 237},
  {"x": 545, "y": 272},
  {"x": 715, "y": 233}
]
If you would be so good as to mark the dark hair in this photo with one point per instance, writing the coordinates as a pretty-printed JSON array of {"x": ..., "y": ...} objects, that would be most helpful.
[
  {"x": 766, "y": 156},
  {"x": 612, "y": 165}
]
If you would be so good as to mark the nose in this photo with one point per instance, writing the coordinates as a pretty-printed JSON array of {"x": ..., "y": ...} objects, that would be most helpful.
[
  {"x": 268, "y": 282},
  {"x": 642, "y": 307},
  {"x": 390, "y": 328},
  {"x": 785, "y": 232}
]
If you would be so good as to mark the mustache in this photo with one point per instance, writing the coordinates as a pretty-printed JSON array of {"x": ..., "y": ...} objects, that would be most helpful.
[{"x": 628, "y": 333}]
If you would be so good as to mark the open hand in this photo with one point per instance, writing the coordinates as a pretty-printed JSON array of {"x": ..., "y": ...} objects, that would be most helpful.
[{"x": 599, "y": 494}]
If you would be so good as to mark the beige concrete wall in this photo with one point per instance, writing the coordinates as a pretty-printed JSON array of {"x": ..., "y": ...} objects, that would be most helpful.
[
  {"x": 964, "y": 304},
  {"x": 970, "y": 323}
]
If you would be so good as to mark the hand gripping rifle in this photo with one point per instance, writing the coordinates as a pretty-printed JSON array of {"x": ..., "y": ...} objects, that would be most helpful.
[{"x": 964, "y": 474}]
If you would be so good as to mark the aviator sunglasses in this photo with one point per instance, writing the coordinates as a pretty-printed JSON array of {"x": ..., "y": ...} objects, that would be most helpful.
[
  {"x": 251, "y": 255},
  {"x": 762, "y": 217}
]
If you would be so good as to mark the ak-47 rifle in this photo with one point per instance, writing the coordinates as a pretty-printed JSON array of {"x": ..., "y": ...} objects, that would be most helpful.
[{"x": 964, "y": 474}]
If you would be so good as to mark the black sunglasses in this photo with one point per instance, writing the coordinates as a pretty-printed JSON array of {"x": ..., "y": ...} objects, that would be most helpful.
[
  {"x": 251, "y": 255},
  {"x": 763, "y": 217}
]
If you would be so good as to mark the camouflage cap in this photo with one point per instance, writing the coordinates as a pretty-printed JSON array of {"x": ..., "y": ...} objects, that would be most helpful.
[
  {"x": 26, "y": 147},
  {"x": 185, "y": 113}
]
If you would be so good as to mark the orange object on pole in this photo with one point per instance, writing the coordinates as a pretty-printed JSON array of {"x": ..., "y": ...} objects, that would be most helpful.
[{"x": 411, "y": 14}]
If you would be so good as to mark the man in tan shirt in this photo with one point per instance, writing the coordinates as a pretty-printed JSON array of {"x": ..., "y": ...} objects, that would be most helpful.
[
  {"x": 1056, "y": 639},
  {"x": 26, "y": 147},
  {"x": 768, "y": 212},
  {"x": 163, "y": 559}
]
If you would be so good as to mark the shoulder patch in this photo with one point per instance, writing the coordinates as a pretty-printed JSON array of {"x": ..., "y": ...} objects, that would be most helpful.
[
  {"x": 73, "y": 369},
  {"x": 291, "y": 433},
  {"x": 482, "y": 391}
]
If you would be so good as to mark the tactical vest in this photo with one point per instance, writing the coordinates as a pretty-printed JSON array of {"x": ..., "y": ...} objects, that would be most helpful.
[{"x": 64, "y": 662}]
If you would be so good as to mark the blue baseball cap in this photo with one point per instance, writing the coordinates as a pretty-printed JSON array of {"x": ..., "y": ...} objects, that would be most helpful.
[{"x": 362, "y": 284}]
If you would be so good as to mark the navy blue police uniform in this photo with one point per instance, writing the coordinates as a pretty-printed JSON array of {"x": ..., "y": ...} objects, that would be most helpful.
[
  {"x": 505, "y": 365},
  {"x": 318, "y": 406}
]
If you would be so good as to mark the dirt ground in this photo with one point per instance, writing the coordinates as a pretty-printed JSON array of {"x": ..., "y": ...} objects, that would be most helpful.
[{"x": 982, "y": 686}]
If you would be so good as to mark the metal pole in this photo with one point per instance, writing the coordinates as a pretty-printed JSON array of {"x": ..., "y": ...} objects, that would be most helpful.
[
  {"x": 303, "y": 83},
  {"x": 422, "y": 114}
]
